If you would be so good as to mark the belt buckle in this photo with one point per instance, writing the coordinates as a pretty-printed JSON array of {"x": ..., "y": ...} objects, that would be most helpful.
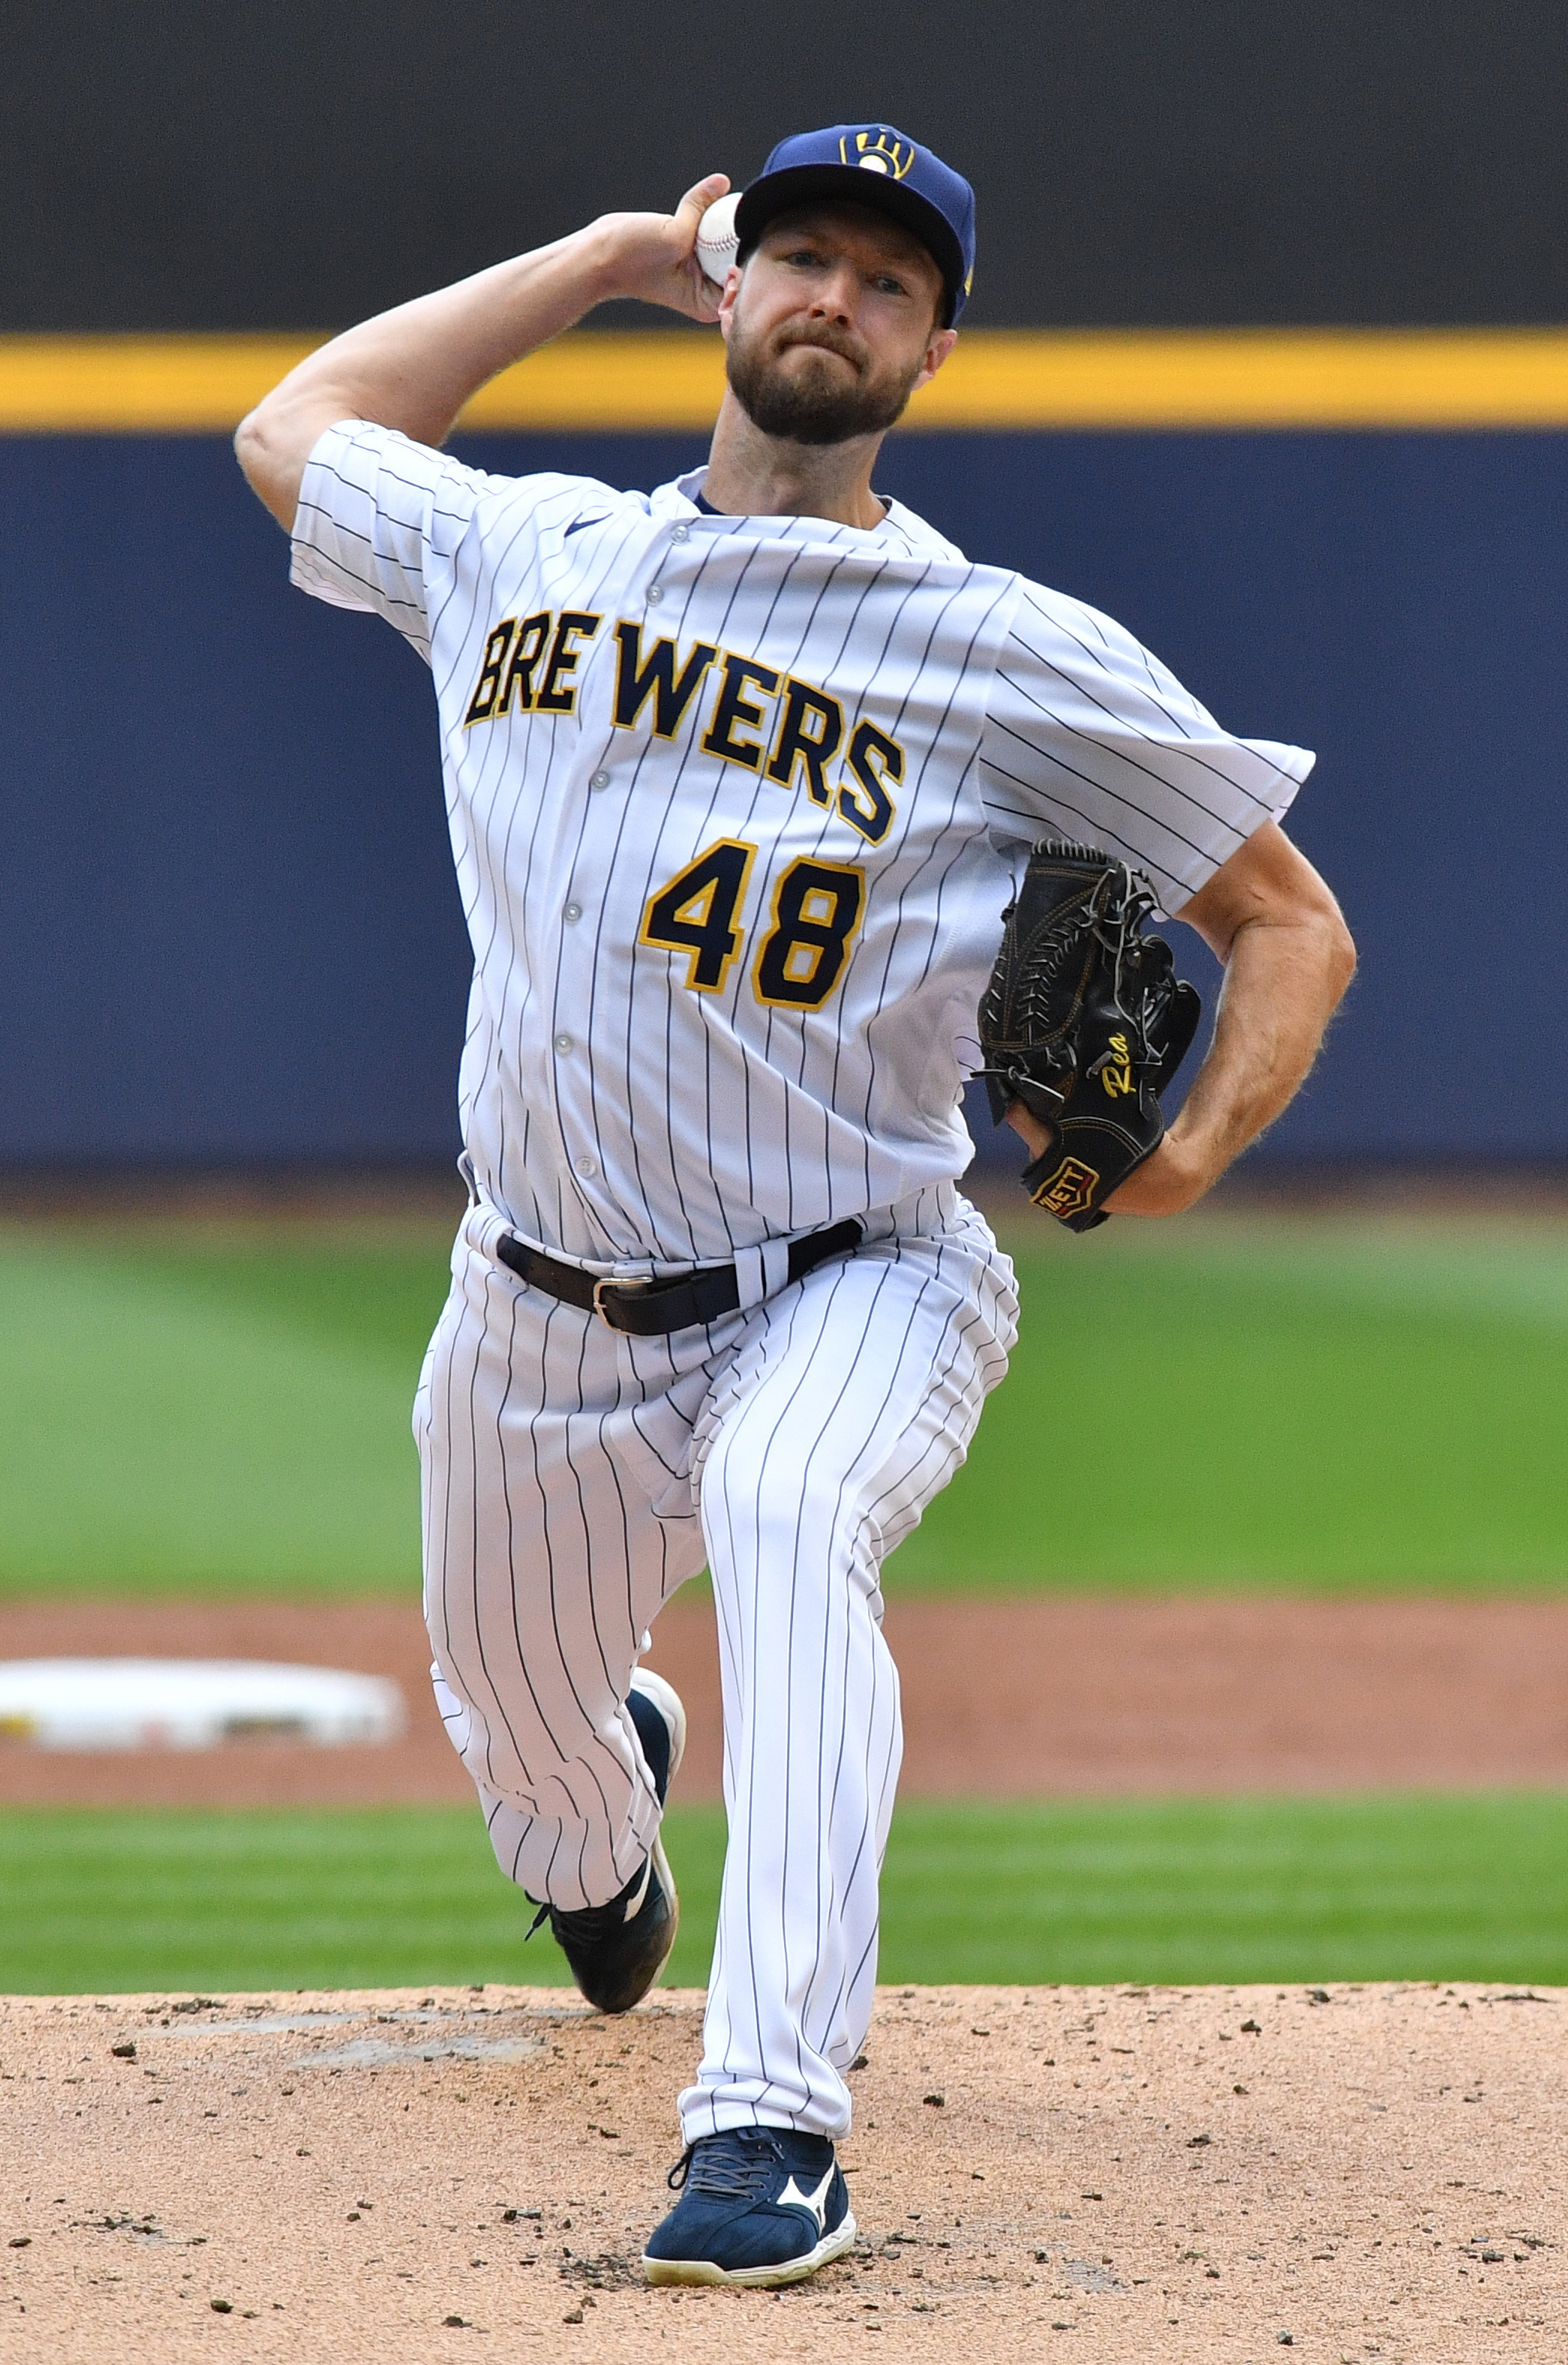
[{"x": 608, "y": 1282}]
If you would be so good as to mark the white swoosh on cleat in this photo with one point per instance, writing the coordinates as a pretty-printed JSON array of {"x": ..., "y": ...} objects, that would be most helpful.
[{"x": 814, "y": 2204}]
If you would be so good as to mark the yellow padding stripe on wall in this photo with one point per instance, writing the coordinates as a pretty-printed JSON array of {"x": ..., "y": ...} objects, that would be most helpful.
[{"x": 605, "y": 379}]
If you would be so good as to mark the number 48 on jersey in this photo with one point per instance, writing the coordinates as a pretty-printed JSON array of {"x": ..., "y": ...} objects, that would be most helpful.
[{"x": 816, "y": 909}]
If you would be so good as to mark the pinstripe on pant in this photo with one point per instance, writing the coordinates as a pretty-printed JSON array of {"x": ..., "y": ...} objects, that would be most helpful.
[{"x": 574, "y": 1477}]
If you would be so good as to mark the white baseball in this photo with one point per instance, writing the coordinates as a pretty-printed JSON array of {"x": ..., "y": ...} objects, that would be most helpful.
[{"x": 716, "y": 239}]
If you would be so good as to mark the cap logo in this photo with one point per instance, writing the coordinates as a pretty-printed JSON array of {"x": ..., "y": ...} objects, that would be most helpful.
[{"x": 878, "y": 150}]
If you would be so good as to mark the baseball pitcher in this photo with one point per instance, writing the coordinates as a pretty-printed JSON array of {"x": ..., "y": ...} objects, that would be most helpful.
[{"x": 741, "y": 776}]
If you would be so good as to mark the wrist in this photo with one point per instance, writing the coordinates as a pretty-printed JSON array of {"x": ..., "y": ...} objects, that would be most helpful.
[
  {"x": 610, "y": 258},
  {"x": 1170, "y": 1182},
  {"x": 1190, "y": 1170},
  {"x": 565, "y": 279}
]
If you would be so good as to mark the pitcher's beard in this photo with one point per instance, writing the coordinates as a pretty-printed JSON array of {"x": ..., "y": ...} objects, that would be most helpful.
[{"x": 814, "y": 405}]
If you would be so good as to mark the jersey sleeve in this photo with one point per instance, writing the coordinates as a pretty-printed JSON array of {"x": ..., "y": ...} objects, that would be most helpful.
[
  {"x": 1089, "y": 737},
  {"x": 378, "y": 525}
]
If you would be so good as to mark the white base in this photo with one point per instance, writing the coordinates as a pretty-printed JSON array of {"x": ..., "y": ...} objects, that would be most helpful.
[{"x": 190, "y": 1704}]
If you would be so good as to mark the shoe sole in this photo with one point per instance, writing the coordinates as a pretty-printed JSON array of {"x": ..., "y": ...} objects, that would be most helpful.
[
  {"x": 666, "y": 1699},
  {"x": 662, "y": 1874},
  {"x": 792, "y": 2270}
]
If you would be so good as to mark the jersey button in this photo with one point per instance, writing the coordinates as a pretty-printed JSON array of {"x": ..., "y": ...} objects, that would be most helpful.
[
  {"x": 599, "y": 780},
  {"x": 587, "y": 1169},
  {"x": 679, "y": 533},
  {"x": 564, "y": 1045},
  {"x": 571, "y": 915},
  {"x": 655, "y": 593}
]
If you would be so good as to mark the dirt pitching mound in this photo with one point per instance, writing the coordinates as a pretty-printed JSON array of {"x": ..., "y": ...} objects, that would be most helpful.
[{"x": 1209, "y": 2174}]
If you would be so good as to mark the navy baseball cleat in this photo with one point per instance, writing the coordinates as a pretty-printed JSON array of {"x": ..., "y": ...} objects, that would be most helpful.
[
  {"x": 618, "y": 1950},
  {"x": 759, "y": 2205}
]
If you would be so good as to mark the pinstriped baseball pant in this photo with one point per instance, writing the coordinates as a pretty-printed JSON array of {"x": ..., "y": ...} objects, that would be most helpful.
[{"x": 574, "y": 1477}]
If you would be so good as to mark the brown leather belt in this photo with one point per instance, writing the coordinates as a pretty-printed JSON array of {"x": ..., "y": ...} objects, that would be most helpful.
[{"x": 649, "y": 1308}]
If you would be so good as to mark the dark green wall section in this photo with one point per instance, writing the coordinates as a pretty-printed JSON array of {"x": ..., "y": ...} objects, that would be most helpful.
[{"x": 283, "y": 164}]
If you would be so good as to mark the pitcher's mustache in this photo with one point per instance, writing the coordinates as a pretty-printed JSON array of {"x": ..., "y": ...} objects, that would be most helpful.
[{"x": 826, "y": 339}]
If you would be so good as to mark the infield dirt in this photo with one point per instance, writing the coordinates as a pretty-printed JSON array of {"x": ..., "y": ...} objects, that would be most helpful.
[
  {"x": 1022, "y": 1699},
  {"x": 1368, "y": 2174}
]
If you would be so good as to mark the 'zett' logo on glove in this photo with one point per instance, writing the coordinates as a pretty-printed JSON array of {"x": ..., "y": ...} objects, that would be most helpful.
[{"x": 1069, "y": 1191}]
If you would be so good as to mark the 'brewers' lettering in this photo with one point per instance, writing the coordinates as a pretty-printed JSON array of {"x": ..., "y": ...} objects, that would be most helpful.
[
  {"x": 637, "y": 681},
  {"x": 733, "y": 706},
  {"x": 874, "y": 759},
  {"x": 482, "y": 705},
  {"x": 533, "y": 633},
  {"x": 557, "y": 694},
  {"x": 808, "y": 733}
]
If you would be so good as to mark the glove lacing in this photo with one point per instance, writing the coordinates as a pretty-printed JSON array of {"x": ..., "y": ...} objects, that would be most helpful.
[{"x": 1137, "y": 904}]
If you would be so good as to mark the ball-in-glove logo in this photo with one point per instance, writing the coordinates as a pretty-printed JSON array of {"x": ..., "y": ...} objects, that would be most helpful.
[{"x": 880, "y": 151}]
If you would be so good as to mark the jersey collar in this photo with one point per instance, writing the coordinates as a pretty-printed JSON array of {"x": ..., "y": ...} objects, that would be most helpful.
[{"x": 690, "y": 489}]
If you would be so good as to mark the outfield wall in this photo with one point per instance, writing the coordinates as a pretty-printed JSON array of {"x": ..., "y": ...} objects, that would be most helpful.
[
  {"x": 1260, "y": 356},
  {"x": 1136, "y": 161},
  {"x": 228, "y": 927}
]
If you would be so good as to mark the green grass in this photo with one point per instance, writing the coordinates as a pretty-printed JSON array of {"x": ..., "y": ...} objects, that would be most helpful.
[
  {"x": 231, "y": 1417},
  {"x": 1272, "y": 1407},
  {"x": 1258, "y": 1405},
  {"x": 1183, "y": 1892}
]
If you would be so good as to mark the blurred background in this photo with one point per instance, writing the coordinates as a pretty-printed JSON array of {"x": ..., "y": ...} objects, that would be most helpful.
[{"x": 1268, "y": 356}]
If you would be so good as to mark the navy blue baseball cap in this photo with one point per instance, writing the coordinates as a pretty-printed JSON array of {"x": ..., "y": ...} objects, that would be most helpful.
[{"x": 870, "y": 165}]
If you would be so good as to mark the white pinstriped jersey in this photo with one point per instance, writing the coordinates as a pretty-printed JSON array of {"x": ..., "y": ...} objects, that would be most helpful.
[{"x": 736, "y": 803}]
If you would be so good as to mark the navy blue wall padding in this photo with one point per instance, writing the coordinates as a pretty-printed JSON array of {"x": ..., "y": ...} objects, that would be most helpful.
[{"x": 229, "y": 930}]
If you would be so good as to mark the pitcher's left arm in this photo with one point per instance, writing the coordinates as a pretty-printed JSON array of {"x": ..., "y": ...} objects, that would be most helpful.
[{"x": 1288, "y": 957}]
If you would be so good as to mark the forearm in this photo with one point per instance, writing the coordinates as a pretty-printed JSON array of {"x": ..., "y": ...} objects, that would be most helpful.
[
  {"x": 1281, "y": 985},
  {"x": 1288, "y": 959},
  {"x": 414, "y": 368}
]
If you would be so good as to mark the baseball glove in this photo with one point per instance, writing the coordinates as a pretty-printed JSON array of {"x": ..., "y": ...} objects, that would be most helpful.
[{"x": 1085, "y": 1022}]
